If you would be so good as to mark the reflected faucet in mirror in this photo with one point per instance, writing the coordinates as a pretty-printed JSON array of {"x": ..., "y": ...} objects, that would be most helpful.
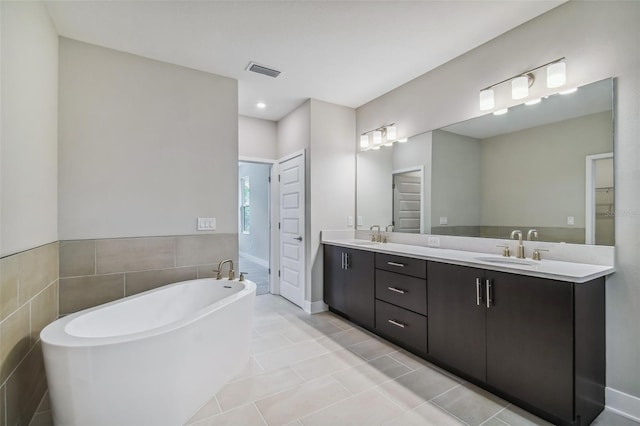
[
  {"x": 389, "y": 226},
  {"x": 376, "y": 238},
  {"x": 532, "y": 235}
]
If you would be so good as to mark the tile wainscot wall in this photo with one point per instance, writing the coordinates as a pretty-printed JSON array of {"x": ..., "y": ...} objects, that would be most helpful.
[
  {"x": 93, "y": 272},
  {"x": 28, "y": 302}
]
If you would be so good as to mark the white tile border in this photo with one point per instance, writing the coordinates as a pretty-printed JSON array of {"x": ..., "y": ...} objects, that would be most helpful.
[{"x": 623, "y": 404}]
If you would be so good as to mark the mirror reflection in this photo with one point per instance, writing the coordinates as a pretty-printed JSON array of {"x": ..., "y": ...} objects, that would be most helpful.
[{"x": 545, "y": 166}]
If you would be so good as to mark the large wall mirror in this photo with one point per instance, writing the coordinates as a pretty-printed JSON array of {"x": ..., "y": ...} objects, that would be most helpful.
[{"x": 545, "y": 166}]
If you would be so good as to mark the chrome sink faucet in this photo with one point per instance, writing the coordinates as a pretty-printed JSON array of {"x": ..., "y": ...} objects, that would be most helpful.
[
  {"x": 520, "y": 248},
  {"x": 232, "y": 274},
  {"x": 376, "y": 238}
]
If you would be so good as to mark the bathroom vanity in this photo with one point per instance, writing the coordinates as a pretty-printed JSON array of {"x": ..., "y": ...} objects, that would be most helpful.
[{"x": 532, "y": 332}]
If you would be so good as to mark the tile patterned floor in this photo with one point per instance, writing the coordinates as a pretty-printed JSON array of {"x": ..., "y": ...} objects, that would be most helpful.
[
  {"x": 257, "y": 273},
  {"x": 322, "y": 370}
]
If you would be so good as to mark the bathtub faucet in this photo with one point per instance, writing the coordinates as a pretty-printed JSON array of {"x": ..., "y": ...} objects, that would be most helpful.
[{"x": 232, "y": 275}]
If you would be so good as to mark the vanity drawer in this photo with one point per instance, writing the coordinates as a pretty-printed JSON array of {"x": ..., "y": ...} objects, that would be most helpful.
[
  {"x": 402, "y": 325},
  {"x": 401, "y": 264},
  {"x": 402, "y": 290}
]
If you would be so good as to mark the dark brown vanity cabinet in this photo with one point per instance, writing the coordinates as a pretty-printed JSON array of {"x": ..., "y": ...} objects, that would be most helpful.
[
  {"x": 401, "y": 300},
  {"x": 537, "y": 340},
  {"x": 349, "y": 283}
]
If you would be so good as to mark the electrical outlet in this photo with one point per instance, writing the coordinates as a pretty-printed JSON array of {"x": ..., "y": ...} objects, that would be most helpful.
[
  {"x": 360, "y": 221},
  {"x": 433, "y": 241},
  {"x": 350, "y": 221},
  {"x": 571, "y": 220},
  {"x": 206, "y": 224},
  {"x": 444, "y": 220}
]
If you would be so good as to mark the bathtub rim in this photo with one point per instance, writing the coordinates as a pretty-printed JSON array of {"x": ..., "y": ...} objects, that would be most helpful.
[{"x": 55, "y": 334}]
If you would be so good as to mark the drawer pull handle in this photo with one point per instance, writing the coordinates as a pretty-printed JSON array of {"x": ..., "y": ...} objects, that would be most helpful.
[
  {"x": 399, "y": 265},
  {"x": 397, "y": 290},
  {"x": 396, "y": 323},
  {"x": 478, "y": 292}
]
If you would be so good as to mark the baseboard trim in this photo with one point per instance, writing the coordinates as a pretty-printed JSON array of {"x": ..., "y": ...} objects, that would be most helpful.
[
  {"x": 623, "y": 404},
  {"x": 315, "y": 307}
]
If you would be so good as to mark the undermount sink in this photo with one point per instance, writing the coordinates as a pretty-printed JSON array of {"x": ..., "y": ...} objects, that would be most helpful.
[
  {"x": 506, "y": 260},
  {"x": 365, "y": 243}
]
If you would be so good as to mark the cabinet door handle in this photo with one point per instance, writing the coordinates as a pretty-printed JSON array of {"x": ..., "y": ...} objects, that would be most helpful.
[
  {"x": 397, "y": 290},
  {"x": 396, "y": 323},
  {"x": 342, "y": 265},
  {"x": 399, "y": 265},
  {"x": 489, "y": 293},
  {"x": 478, "y": 291},
  {"x": 346, "y": 261}
]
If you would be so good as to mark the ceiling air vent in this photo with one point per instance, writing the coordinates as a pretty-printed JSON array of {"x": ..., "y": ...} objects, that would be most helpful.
[{"x": 262, "y": 70}]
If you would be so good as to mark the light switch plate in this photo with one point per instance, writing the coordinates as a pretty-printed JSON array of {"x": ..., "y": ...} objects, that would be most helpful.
[
  {"x": 433, "y": 241},
  {"x": 206, "y": 224},
  {"x": 350, "y": 221},
  {"x": 444, "y": 220},
  {"x": 360, "y": 222},
  {"x": 571, "y": 220}
]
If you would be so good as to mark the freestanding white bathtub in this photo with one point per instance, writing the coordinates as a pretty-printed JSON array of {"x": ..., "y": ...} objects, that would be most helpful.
[{"x": 150, "y": 359}]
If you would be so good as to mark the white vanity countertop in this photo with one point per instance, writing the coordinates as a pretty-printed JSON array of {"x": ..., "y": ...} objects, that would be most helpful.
[{"x": 551, "y": 269}]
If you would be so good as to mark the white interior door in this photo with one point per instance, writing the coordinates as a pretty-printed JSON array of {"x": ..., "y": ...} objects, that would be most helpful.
[
  {"x": 292, "y": 226},
  {"x": 407, "y": 201}
]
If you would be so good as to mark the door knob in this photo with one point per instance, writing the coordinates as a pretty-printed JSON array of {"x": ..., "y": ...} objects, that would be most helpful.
[{"x": 298, "y": 238}]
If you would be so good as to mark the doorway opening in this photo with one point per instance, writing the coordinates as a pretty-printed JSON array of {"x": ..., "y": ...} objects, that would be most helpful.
[
  {"x": 407, "y": 200},
  {"x": 254, "y": 219}
]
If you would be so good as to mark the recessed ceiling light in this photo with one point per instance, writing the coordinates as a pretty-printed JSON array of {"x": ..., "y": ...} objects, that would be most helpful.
[
  {"x": 501, "y": 111},
  {"x": 261, "y": 105}
]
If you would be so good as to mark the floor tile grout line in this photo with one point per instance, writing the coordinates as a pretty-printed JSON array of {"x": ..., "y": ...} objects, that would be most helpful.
[{"x": 260, "y": 413}]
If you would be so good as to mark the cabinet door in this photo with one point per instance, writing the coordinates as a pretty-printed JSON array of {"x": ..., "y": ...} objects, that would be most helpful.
[
  {"x": 335, "y": 290},
  {"x": 530, "y": 341},
  {"x": 360, "y": 286},
  {"x": 456, "y": 317}
]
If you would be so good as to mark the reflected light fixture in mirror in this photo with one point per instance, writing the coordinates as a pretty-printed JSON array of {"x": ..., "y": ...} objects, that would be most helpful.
[{"x": 382, "y": 136}]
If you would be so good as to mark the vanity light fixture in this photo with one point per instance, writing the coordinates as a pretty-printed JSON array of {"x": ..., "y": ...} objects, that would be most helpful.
[
  {"x": 364, "y": 141},
  {"x": 377, "y": 137},
  {"x": 520, "y": 84},
  {"x": 382, "y": 136},
  {"x": 556, "y": 74}
]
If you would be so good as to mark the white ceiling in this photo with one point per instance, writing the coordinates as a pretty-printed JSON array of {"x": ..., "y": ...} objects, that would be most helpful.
[{"x": 344, "y": 52}]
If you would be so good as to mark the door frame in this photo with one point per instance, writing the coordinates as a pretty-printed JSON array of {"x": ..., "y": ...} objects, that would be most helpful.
[
  {"x": 305, "y": 235},
  {"x": 419, "y": 169},
  {"x": 590, "y": 196},
  {"x": 274, "y": 284}
]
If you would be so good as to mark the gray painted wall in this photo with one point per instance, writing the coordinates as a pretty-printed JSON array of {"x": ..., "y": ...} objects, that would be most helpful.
[
  {"x": 599, "y": 40},
  {"x": 29, "y": 131},
  {"x": 257, "y": 138},
  {"x": 145, "y": 147},
  {"x": 455, "y": 179},
  {"x": 521, "y": 167}
]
